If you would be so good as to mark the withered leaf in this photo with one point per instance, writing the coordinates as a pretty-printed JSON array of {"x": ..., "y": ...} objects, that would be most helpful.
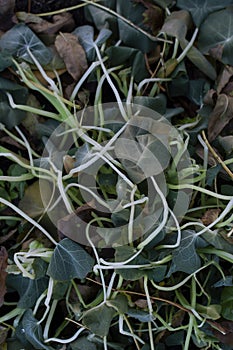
[
  {"x": 210, "y": 216},
  {"x": 220, "y": 116},
  {"x": 224, "y": 78},
  {"x": 177, "y": 24},
  {"x": 72, "y": 53},
  {"x": 225, "y": 336},
  {"x": 153, "y": 18},
  {"x": 216, "y": 52},
  {"x": 3, "y": 273},
  {"x": 63, "y": 21}
]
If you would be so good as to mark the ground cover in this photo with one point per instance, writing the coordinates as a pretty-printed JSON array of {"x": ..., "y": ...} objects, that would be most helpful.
[{"x": 116, "y": 175}]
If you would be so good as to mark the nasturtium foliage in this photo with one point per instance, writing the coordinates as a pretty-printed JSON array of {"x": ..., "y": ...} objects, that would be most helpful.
[
  {"x": 85, "y": 35},
  {"x": 20, "y": 42},
  {"x": 200, "y": 9},
  {"x": 8, "y": 116},
  {"x": 216, "y": 36}
]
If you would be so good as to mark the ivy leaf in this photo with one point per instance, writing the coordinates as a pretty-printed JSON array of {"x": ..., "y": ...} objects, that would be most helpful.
[
  {"x": 69, "y": 260},
  {"x": 32, "y": 203},
  {"x": 200, "y": 9},
  {"x": 20, "y": 39},
  {"x": 185, "y": 257},
  {"x": 29, "y": 290},
  {"x": 99, "y": 319},
  {"x": 32, "y": 331}
]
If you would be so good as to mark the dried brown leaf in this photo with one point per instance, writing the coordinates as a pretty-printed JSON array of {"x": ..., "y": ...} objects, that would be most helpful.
[
  {"x": 177, "y": 24},
  {"x": 211, "y": 97},
  {"x": 3, "y": 273},
  {"x": 72, "y": 53},
  {"x": 63, "y": 21},
  {"x": 224, "y": 78},
  {"x": 210, "y": 216},
  {"x": 154, "y": 18},
  {"x": 216, "y": 52},
  {"x": 220, "y": 116},
  {"x": 227, "y": 328}
]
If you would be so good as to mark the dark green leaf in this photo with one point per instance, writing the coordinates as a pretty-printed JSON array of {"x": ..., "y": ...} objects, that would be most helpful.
[
  {"x": 226, "y": 282},
  {"x": 5, "y": 60},
  {"x": 98, "y": 319},
  {"x": 33, "y": 331},
  {"x": 120, "y": 304},
  {"x": 69, "y": 260},
  {"x": 130, "y": 57},
  {"x": 157, "y": 103},
  {"x": 200, "y": 9},
  {"x": 129, "y": 35},
  {"x": 86, "y": 38},
  {"x": 83, "y": 343},
  {"x": 19, "y": 40},
  {"x": 101, "y": 18},
  {"x": 216, "y": 36},
  {"x": 227, "y": 303},
  {"x": 218, "y": 241},
  {"x": 197, "y": 58},
  {"x": 29, "y": 290},
  {"x": 185, "y": 257},
  {"x": 140, "y": 315},
  {"x": 8, "y": 116}
]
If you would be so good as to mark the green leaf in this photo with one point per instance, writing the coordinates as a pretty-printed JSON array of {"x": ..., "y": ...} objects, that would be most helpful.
[
  {"x": 5, "y": 60},
  {"x": 82, "y": 343},
  {"x": 20, "y": 39},
  {"x": 185, "y": 257},
  {"x": 197, "y": 58},
  {"x": 33, "y": 331},
  {"x": 120, "y": 304},
  {"x": 227, "y": 303},
  {"x": 98, "y": 319},
  {"x": 32, "y": 203},
  {"x": 9, "y": 116},
  {"x": 101, "y": 18},
  {"x": 129, "y": 57},
  {"x": 217, "y": 240},
  {"x": 216, "y": 36},
  {"x": 85, "y": 35},
  {"x": 69, "y": 260},
  {"x": 157, "y": 103},
  {"x": 140, "y": 315},
  {"x": 129, "y": 35},
  {"x": 200, "y": 9},
  {"x": 29, "y": 290},
  {"x": 210, "y": 312}
]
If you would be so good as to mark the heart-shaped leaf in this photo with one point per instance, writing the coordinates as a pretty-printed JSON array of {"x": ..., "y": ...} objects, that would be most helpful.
[{"x": 19, "y": 40}]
